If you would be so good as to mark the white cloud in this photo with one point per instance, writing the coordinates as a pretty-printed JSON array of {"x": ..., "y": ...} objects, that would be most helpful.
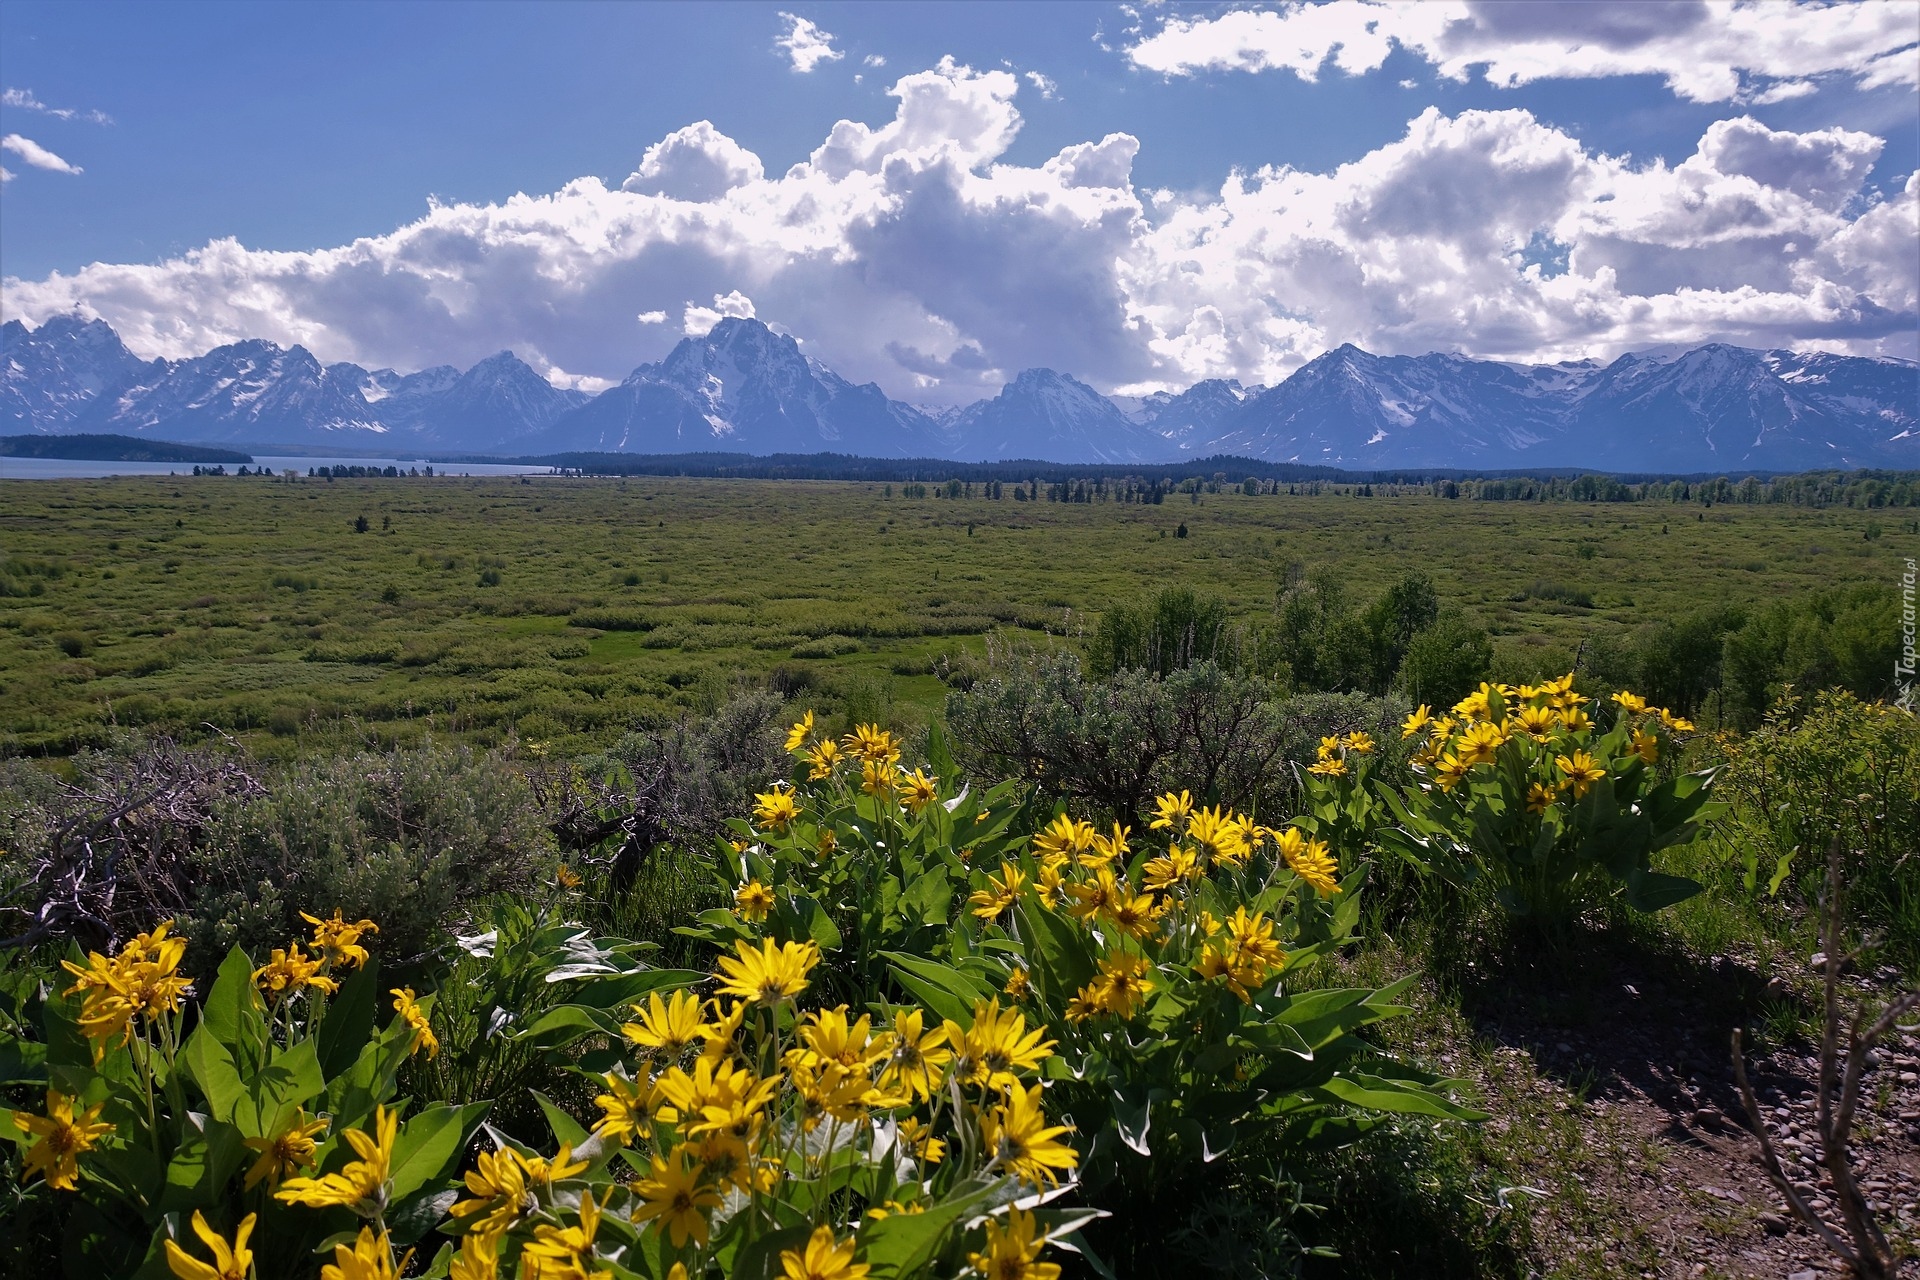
[
  {"x": 696, "y": 163},
  {"x": 806, "y": 45},
  {"x": 6, "y": 174},
  {"x": 1049, "y": 87},
  {"x": 1705, "y": 50},
  {"x": 25, "y": 100},
  {"x": 698, "y": 320},
  {"x": 36, "y": 155},
  {"x": 915, "y": 254},
  {"x": 874, "y": 60}
]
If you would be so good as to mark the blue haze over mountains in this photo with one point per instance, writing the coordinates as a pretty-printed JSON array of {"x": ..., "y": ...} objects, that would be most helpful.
[{"x": 746, "y": 388}]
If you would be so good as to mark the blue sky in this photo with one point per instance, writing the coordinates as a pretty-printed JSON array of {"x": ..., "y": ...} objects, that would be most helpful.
[{"x": 198, "y": 173}]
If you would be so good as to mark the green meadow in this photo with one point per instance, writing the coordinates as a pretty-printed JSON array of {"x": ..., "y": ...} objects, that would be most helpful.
[{"x": 569, "y": 609}]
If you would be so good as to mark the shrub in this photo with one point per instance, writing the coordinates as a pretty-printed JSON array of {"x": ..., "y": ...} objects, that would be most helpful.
[
  {"x": 1172, "y": 967},
  {"x": 1176, "y": 631},
  {"x": 1827, "y": 767},
  {"x": 1445, "y": 662},
  {"x": 1520, "y": 789}
]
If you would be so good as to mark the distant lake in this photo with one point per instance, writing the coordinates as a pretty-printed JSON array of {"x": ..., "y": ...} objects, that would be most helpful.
[{"x": 69, "y": 469}]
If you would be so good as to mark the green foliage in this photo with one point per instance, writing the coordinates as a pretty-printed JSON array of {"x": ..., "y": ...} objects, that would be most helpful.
[
  {"x": 1824, "y": 768},
  {"x": 1177, "y": 631},
  {"x": 1446, "y": 661}
]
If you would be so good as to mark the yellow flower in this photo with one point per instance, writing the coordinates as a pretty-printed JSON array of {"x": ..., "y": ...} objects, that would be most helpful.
[
  {"x": 1120, "y": 987},
  {"x": 879, "y": 777},
  {"x": 753, "y": 900},
  {"x": 916, "y": 1058},
  {"x": 1105, "y": 848},
  {"x": 802, "y": 730},
  {"x": 822, "y": 1259},
  {"x": 1481, "y": 743},
  {"x": 290, "y": 971},
  {"x": 711, "y": 1085},
  {"x": 1581, "y": 770},
  {"x": 1170, "y": 811},
  {"x": 1136, "y": 915},
  {"x": 872, "y": 743},
  {"x": 1333, "y": 767},
  {"x": 1311, "y": 860},
  {"x": 1541, "y": 797},
  {"x": 1329, "y": 747},
  {"x": 60, "y": 1139},
  {"x": 478, "y": 1259},
  {"x": 918, "y": 791},
  {"x": 566, "y": 1253},
  {"x": 1574, "y": 720},
  {"x": 1002, "y": 892},
  {"x": 1017, "y": 1137},
  {"x": 1360, "y": 743},
  {"x": 497, "y": 1186},
  {"x": 1176, "y": 866},
  {"x": 142, "y": 980},
  {"x": 666, "y": 1027},
  {"x": 230, "y": 1262},
  {"x": 407, "y": 1005},
  {"x": 823, "y": 756},
  {"x": 1449, "y": 771},
  {"x": 673, "y": 1195},
  {"x": 1473, "y": 706},
  {"x": 337, "y": 942},
  {"x": 1646, "y": 745},
  {"x": 918, "y": 1141},
  {"x": 1051, "y": 886},
  {"x": 1096, "y": 896},
  {"x": 1012, "y": 1252},
  {"x": 996, "y": 1045},
  {"x": 362, "y": 1183},
  {"x": 1674, "y": 723},
  {"x": 770, "y": 973},
  {"x": 370, "y": 1258},
  {"x": 1630, "y": 702},
  {"x": 566, "y": 877},
  {"x": 289, "y": 1150},
  {"x": 1416, "y": 720},
  {"x": 1064, "y": 837},
  {"x": 1219, "y": 831},
  {"x": 776, "y": 809},
  {"x": 721, "y": 1037},
  {"x": 628, "y": 1106},
  {"x": 1018, "y": 984},
  {"x": 1537, "y": 723}
]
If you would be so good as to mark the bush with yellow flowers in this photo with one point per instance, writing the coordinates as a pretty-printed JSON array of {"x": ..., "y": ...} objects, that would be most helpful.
[
  {"x": 742, "y": 1125},
  {"x": 1171, "y": 970},
  {"x": 1520, "y": 787}
]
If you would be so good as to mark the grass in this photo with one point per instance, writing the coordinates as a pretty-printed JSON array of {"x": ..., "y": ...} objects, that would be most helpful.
[{"x": 567, "y": 609}]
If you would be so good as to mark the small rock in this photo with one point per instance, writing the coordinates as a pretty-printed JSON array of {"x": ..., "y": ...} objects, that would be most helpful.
[
  {"x": 1774, "y": 1223},
  {"x": 1804, "y": 1275},
  {"x": 1777, "y": 988},
  {"x": 1818, "y": 962}
]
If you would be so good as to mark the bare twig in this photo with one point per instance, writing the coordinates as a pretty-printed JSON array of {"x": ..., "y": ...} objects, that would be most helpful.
[{"x": 1865, "y": 1248}]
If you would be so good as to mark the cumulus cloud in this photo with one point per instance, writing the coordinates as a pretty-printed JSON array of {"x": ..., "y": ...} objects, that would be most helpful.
[
  {"x": 36, "y": 155},
  {"x": 24, "y": 100},
  {"x": 805, "y": 44},
  {"x": 697, "y": 163},
  {"x": 1049, "y": 88},
  {"x": 914, "y": 253},
  {"x": 1705, "y": 50},
  {"x": 699, "y": 320}
]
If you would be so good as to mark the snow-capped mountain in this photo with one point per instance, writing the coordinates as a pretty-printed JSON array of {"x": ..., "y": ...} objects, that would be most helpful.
[
  {"x": 50, "y": 376},
  {"x": 245, "y": 391},
  {"x": 742, "y": 387},
  {"x": 1043, "y": 414},
  {"x": 745, "y": 387},
  {"x": 498, "y": 400}
]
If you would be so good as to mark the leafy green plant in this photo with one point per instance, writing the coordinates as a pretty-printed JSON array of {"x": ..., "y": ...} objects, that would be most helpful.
[{"x": 1520, "y": 789}]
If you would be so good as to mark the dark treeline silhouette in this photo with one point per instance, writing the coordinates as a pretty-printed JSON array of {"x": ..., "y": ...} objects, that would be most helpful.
[
  {"x": 112, "y": 448},
  {"x": 1032, "y": 480}
]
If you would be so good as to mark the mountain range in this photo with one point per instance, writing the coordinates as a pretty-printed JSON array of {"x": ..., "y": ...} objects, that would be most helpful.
[{"x": 744, "y": 387}]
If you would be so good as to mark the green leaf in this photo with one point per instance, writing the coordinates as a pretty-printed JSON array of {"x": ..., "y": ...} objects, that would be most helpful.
[
  {"x": 1062, "y": 958},
  {"x": 233, "y": 1011},
  {"x": 566, "y": 1129},
  {"x": 907, "y": 1244},
  {"x": 429, "y": 1145},
  {"x": 929, "y": 899},
  {"x": 1378, "y": 1094},
  {"x": 1652, "y": 890},
  {"x": 349, "y": 1020}
]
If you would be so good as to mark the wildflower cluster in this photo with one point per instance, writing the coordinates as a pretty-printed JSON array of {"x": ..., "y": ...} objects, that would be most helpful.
[{"x": 1521, "y": 785}]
